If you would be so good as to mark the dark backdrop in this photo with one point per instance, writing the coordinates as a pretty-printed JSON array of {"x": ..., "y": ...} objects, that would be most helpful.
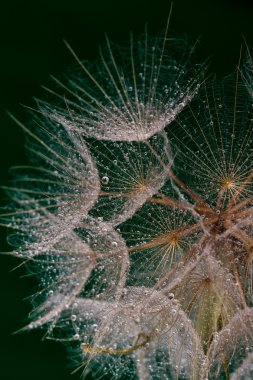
[{"x": 31, "y": 34}]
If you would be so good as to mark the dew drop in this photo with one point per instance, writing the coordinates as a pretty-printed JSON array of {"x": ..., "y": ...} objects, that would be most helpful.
[{"x": 105, "y": 180}]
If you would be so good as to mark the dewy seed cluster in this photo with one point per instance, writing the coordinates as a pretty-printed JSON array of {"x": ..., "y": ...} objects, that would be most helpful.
[{"x": 136, "y": 215}]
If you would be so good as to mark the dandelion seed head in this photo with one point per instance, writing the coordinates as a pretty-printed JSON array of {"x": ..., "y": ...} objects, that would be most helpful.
[{"x": 135, "y": 214}]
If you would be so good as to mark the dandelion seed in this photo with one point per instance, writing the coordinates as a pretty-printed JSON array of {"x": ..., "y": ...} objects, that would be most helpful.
[{"x": 132, "y": 93}]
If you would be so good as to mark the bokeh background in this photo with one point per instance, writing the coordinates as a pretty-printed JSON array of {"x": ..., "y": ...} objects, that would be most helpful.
[{"x": 31, "y": 34}]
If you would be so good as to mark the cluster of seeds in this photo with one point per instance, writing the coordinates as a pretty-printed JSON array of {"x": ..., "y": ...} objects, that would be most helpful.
[{"x": 136, "y": 215}]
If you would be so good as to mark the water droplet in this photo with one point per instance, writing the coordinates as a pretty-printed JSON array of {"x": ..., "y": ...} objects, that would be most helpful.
[{"x": 105, "y": 180}]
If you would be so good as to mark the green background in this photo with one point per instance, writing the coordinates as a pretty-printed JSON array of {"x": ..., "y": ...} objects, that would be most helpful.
[{"x": 31, "y": 34}]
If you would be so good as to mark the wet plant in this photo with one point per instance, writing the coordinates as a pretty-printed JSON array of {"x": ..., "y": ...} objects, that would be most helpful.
[{"x": 136, "y": 214}]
